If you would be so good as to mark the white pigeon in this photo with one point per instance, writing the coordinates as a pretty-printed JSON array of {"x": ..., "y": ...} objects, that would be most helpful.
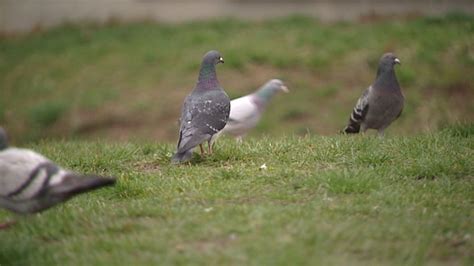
[
  {"x": 246, "y": 111},
  {"x": 30, "y": 183}
]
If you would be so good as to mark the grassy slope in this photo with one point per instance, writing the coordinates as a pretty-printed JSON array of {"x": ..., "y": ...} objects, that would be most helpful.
[
  {"x": 336, "y": 200},
  {"x": 125, "y": 81}
]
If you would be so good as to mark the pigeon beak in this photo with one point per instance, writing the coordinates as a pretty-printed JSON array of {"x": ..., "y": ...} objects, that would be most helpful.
[
  {"x": 284, "y": 89},
  {"x": 221, "y": 60},
  {"x": 397, "y": 61}
]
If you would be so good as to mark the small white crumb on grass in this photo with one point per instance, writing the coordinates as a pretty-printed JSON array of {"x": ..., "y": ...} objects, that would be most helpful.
[{"x": 263, "y": 166}]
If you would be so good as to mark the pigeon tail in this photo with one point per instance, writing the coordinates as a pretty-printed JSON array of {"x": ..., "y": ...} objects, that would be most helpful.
[
  {"x": 355, "y": 120},
  {"x": 352, "y": 128},
  {"x": 181, "y": 157},
  {"x": 357, "y": 116},
  {"x": 73, "y": 184},
  {"x": 70, "y": 186}
]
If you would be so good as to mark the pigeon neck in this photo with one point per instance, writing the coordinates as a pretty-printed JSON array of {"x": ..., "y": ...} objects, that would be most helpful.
[
  {"x": 265, "y": 94},
  {"x": 207, "y": 77},
  {"x": 386, "y": 79}
]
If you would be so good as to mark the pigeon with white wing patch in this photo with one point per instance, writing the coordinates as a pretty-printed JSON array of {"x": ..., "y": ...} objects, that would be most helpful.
[{"x": 380, "y": 104}]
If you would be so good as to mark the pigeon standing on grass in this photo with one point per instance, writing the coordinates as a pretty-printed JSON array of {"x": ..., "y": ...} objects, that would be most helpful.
[
  {"x": 205, "y": 111},
  {"x": 246, "y": 111},
  {"x": 30, "y": 183},
  {"x": 381, "y": 103}
]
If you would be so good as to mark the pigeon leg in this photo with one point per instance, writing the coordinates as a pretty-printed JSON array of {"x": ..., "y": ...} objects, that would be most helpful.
[
  {"x": 381, "y": 133},
  {"x": 212, "y": 141},
  {"x": 202, "y": 150},
  {"x": 209, "y": 147},
  {"x": 212, "y": 145},
  {"x": 6, "y": 225}
]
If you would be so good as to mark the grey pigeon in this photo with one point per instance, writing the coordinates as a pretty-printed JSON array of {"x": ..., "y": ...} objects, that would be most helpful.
[
  {"x": 381, "y": 103},
  {"x": 205, "y": 111},
  {"x": 246, "y": 111},
  {"x": 30, "y": 183}
]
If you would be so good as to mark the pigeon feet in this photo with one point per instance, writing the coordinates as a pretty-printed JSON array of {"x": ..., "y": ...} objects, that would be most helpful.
[
  {"x": 202, "y": 150},
  {"x": 209, "y": 149},
  {"x": 210, "y": 146},
  {"x": 381, "y": 133}
]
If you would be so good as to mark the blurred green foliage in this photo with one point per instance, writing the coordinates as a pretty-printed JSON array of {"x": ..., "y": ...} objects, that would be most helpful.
[{"x": 129, "y": 81}]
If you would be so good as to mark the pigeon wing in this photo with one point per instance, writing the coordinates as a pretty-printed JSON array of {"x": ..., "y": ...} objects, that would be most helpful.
[
  {"x": 203, "y": 116},
  {"x": 242, "y": 109},
  {"x": 362, "y": 106},
  {"x": 358, "y": 113},
  {"x": 20, "y": 174}
]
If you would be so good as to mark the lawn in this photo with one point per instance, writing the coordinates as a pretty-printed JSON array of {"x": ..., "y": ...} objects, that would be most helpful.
[
  {"x": 127, "y": 82},
  {"x": 323, "y": 200}
]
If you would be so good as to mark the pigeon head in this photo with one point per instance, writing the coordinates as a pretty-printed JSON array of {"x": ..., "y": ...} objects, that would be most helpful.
[
  {"x": 270, "y": 88},
  {"x": 212, "y": 57},
  {"x": 277, "y": 85},
  {"x": 3, "y": 139},
  {"x": 386, "y": 77},
  {"x": 207, "y": 75},
  {"x": 388, "y": 61}
]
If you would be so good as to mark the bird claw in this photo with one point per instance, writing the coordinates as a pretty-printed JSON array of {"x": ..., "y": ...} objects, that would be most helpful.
[
  {"x": 203, "y": 153},
  {"x": 209, "y": 149}
]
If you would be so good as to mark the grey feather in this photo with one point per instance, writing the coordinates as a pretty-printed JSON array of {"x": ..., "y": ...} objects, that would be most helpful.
[
  {"x": 382, "y": 103},
  {"x": 30, "y": 183},
  {"x": 358, "y": 113},
  {"x": 205, "y": 111}
]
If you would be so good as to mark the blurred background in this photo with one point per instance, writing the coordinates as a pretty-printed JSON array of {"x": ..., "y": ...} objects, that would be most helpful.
[{"x": 120, "y": 69}]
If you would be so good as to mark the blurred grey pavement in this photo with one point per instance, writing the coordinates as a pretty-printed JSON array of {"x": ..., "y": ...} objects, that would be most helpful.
[{"x": 26, "y": 15}]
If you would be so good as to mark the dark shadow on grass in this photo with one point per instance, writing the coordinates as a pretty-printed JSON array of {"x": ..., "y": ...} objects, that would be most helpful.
[{"x": 426, "y": 177}]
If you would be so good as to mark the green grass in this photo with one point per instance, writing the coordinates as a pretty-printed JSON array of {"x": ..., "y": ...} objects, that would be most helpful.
[
  {"x": 328, "y": 200},
  {"x": 336, "y": 200},
  {"x": 129, "y": 81}
]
